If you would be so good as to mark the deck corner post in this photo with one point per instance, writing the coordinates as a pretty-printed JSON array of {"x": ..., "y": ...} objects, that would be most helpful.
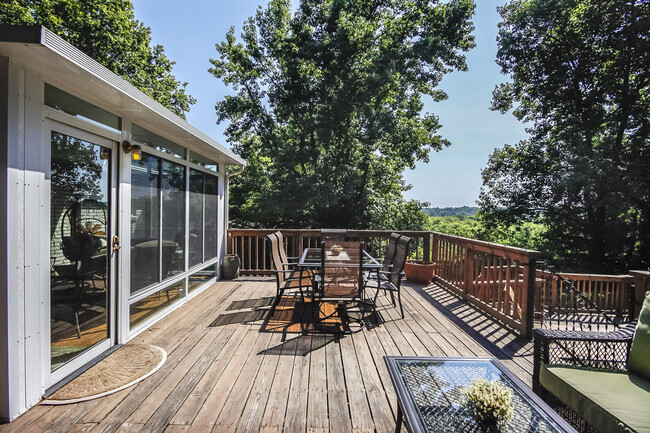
[{"x": 528, "y": 314}]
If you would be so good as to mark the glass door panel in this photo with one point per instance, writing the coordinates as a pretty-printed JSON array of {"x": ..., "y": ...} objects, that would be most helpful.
[{"x": 79, "y": 247}]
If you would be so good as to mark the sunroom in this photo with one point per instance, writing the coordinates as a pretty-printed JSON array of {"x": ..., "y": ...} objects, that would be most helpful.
[{"x": 114, "y": 212}]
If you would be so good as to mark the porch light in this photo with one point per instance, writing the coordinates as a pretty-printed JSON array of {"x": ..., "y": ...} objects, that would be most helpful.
[{"x": 133, "y": 149}]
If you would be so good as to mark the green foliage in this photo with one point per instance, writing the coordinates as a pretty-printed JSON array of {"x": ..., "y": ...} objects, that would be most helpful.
[
  {"x": 580, "y": 77},
  {"x": 530, "y": 235},
  {"x": 328, "y": 108},
  {"x": 107, "y": 31},
  {"x": 466, "y": 227}
]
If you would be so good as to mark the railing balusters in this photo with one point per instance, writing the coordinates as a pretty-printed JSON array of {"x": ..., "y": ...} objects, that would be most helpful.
[{"x": 500, "y": 280}]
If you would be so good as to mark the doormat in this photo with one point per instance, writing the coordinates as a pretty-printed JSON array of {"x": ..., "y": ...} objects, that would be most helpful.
[{"x": 126, "y": 366}]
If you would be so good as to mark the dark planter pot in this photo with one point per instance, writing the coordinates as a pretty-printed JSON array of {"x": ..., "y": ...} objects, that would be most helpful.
[
  {"x": 230, "y": 267},
  {"x": 419, "y": 272}
]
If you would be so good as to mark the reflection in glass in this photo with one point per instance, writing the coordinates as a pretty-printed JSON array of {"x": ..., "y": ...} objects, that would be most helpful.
[
  {"x": 201, "y": 276},
  {"x": 62, "y": 101},
  {"x": 78, "y": 246},
  {"x": 173, "y": 219},
  {"x": 210, "y": 217},
  {"x": 145, "y": 222},
  {"x": 203, "y": 161},
  {"x": 152, "y": 304},
  {"x": 196, "y": 218},
  {"x": 154, "y": 140}
]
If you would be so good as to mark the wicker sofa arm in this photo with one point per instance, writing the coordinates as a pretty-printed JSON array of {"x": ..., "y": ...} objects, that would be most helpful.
[{"x": 599, "y": 350}]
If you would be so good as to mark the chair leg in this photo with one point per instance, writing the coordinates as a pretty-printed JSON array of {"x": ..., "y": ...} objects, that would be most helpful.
[{"x": 399, "y": 298}]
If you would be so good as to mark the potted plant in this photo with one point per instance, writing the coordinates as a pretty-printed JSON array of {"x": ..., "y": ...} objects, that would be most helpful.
[
  {"x": 230, "y": 267},
  {"x": 489, "y": 404},
  {"x": 419, "y": 272}
]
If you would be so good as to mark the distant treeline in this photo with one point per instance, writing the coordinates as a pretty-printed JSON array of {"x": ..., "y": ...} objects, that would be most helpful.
[{"x": 464, "y": 211}]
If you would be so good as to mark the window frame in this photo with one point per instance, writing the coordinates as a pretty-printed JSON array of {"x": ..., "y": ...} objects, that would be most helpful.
[{"x": 161, "y": 285}]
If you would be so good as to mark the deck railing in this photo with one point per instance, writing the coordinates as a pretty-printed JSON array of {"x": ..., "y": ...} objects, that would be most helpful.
[
  {"x": 497, "y": 279},
  {"x": 502, "y": 281},
  {"x": 584, "y": 301}
]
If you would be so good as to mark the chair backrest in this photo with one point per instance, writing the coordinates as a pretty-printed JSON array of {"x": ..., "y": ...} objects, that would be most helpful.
[
  {"x": 390, "y": 251},
  {"x": 283, "y": 252},
  {"x": 276, "y": 257},
  {"x": 332, "y": 235},
  {"x": 401, "y": 253},
  {"x": 639, "y": 359},
  {"x": 341, "y": 269}
]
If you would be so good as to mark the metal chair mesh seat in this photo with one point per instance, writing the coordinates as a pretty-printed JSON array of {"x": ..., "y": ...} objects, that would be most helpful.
[{"x": 340, "y": 282}]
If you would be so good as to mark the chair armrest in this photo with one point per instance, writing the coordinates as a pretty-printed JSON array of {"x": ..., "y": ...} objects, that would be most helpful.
[{"x": 598, "y": 350}]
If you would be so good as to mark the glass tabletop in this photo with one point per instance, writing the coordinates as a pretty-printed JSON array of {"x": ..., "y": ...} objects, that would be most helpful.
[
  {"x": 311, "y": 258},
  {"x": 430, "y": 388}
]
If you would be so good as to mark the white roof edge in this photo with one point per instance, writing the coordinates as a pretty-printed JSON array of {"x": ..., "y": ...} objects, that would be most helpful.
[{"x": 42, "y": 36}]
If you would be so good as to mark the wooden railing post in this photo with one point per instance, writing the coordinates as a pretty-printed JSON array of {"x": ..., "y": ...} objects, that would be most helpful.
[
  {"x": 641, "y": 285},
  {"x": 427, "y": 248},
  {"x": 468, "y": 271},
  {"x": 528, "y": 313},
  {"x": 435, "y": 254}
]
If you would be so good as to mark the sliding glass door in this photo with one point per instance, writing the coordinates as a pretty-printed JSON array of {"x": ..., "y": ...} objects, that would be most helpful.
[{"x": 80, "y": 248}]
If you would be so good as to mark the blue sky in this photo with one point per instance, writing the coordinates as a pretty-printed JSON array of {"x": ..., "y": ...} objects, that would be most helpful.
[{"x": 190, "y": 29}]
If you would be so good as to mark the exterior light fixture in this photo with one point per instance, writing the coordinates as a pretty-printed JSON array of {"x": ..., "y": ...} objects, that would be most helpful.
[
  {"x": 134, "y": 149},
  {"x": 105, "y": 154}
]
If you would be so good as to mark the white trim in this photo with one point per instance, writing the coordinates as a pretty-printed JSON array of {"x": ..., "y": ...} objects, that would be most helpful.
[
  {"x": 75, "y": 122},
  {"x": 36, "y": 230},
  {"x": 124, "y": 232},
  {"x": 155, "y": 288}
]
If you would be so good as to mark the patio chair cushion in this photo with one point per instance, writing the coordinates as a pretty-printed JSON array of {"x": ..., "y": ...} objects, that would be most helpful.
[
  {"x": 611, "y": 401},
  {"x": 639, "y": 359}
]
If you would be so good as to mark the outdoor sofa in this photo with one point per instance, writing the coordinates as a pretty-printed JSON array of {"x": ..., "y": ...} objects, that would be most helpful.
[{"x": 602, "y": 377}]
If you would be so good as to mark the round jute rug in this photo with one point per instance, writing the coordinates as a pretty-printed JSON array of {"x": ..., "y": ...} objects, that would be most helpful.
[{"x": 125, "y": 367}]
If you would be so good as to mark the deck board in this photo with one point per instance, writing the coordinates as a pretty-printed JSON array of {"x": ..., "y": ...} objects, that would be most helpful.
[{"x": 227, "y": 372}]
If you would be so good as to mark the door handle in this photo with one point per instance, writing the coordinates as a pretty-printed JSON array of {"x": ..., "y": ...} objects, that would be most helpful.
[{"x": 116, "y": 243}]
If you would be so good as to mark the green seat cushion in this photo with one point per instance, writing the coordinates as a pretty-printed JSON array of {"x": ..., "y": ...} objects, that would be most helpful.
[
  {"x": 639, "y": 360},
  {"x": 609, "y": 401}
]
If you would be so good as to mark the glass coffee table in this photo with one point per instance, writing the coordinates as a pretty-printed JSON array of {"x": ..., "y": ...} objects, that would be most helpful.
[{"x": 428, "y": 393}]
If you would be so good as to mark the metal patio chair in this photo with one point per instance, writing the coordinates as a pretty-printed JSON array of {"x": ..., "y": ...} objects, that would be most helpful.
[
  {"x": 328, "y": 235},
  {"x": 340, "y": 286},
  {"x": 286, "y": 277},
  {"x": 391, "y": 280}
]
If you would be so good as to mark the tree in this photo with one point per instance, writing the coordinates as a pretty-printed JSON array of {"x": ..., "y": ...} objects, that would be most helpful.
[
  {"x": 580, "y": 77},
  {"x": 107, "y": 31},
  {"x": 328, "y": 107}
]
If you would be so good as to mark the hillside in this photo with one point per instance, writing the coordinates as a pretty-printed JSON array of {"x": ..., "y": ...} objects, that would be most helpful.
[{"x": 464, "y": 211}]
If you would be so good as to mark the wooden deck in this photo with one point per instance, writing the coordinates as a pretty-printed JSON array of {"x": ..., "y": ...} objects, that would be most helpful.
[{"x": 226, "y": 372}]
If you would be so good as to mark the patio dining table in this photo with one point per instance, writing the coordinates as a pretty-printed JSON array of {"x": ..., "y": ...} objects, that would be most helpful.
[{"x": 311, "y": 260}]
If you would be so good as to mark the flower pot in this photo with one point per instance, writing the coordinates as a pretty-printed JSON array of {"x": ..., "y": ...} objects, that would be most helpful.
[
  {"x": 230, "y": 267},
  {"x": 419, "y": 272}
]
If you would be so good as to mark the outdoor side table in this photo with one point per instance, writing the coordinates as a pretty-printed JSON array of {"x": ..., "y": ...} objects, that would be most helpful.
[{"x": 428, "y": 394}]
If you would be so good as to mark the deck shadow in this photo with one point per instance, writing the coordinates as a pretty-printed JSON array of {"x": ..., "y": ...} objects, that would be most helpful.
[{"x": 476, "y": 325}]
